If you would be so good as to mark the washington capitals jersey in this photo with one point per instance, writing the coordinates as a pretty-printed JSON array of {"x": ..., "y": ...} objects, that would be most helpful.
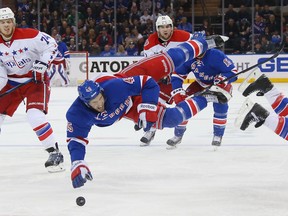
[
  {"x": 213, "y": 63},
  {"x": 25, "y": 47},
  {"x": 118, "y": 93},
  {"x": 154, "y": 46}
]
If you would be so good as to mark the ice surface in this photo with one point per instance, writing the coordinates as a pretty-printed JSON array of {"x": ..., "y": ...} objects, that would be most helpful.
[{"x": 246, "y": 176}]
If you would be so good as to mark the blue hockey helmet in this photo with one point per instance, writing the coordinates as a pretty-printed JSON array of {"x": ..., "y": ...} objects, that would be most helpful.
[{"x": 88, "y": 90}]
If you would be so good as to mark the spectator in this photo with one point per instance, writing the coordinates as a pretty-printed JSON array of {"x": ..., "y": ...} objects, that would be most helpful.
[
  {"x": 231, "y": 14},
  {"x": 72, "y": 46},
  {"x": 132, "y": 49},
  {"x": 206, "y": 27},
  {"x": 169, "y": 12},
  {"x": 104, "y": 39},
  {"x": 273, "y": 24},
  {"x": 179, "y": 15},
  {"x": 259, "y": 49},
  {"x": 243, "y": 13},
  {"x": 267, "y": 45},
  {"x": 84, "y": 45},
  {"x": 145, "y": 5},
  {"x": 95, "y": 50},
  {"x": 145, "y": 17},
  {"x": 107, "y": 51},
  {"x": 266, "y": 12},
  {"x": 232, "y": 32},
  {"x": 121, "y": 51},
  {"x": 122, "y": 15},
  {"x": 184, "y": 25},
  {"x": 69, "y": 33},
  {"x": 259, "y": 25},
  {"x": 134, "y": 14},
  {"x": 244, "y": 28},
  {"x": 242, "y": 47}
]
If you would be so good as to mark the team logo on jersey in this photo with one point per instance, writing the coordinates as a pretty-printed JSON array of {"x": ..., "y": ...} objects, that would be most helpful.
[
  {"x": 227, "y": 62},
  {"x": 129, "y": 80}
]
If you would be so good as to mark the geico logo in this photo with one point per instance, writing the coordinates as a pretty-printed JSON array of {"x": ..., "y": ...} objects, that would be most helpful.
[
  {"x": 277, "y": 65},
  {"x": 109, "y": 66}
]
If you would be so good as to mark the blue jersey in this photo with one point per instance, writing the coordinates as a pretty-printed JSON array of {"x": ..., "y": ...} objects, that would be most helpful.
[
  {"x": 63, "y": 51},
  {"x": 213, "y": 63},
  {"x": 118, "y": 93}
]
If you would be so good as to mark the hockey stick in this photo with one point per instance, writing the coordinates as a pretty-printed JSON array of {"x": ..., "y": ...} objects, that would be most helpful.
[
  {"x": 15, "y": 87},
  {"x": 283, "y": 42}
]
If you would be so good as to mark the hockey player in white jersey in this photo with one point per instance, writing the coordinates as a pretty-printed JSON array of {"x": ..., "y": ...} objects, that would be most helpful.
[
  {"x": 25, "y": 55},
  {"x": 162, "y": 40},
  {"x": 61, "y": 64}
]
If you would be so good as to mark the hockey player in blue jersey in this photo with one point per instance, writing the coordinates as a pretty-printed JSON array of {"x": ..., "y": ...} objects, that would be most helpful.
[
  {"x": 61, "y": 64},
  {"x": 106, "y": 99},
  {"x": 211, "y": 67}
]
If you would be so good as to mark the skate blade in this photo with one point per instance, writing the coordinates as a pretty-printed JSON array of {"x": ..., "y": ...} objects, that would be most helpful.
[
  {"x": 245, "y": 108},
  {"x": 171, "y": 147},
  {"x": 144, "y": 144},
  {"x": 255, "y": 74},
  {"x": 224, "y": 38},
  {"x": 55, "y": 169}
]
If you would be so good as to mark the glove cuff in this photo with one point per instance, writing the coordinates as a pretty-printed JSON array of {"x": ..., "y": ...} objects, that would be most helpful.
[{"x": 146, "y": 106}]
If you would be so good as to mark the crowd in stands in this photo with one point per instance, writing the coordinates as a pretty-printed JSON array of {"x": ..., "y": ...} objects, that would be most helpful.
[{"x": 97, "y": 32}]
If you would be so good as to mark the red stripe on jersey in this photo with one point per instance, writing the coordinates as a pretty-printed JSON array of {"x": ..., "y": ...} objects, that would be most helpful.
[
  {"x": 280, "y": 125},
  {"x": 196, "y": 47},
  {"x": 46, "y": 134},
  {"x": 80, "y": 138},
  {"x": 144, "y": 80},
  {"x": 219, "y": 121},
  {"x": 277, "y": 101},
  {"x": 104, "y": 78},
  {"x": 192, "y": 106}
]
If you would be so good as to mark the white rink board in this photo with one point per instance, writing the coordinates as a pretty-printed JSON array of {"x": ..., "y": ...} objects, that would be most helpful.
[{"x": 277, "y": 68}]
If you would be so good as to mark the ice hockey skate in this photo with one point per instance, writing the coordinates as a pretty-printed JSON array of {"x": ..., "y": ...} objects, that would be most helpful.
[
  {"x": 173, "y": 142},
  {"x": 147, "y": 138},
  {"x": 216, "y": 142},
  {"x": 251, "y": 112},
  {"x": 55, "y": 160},
  {"x": 261, "y": 85}
]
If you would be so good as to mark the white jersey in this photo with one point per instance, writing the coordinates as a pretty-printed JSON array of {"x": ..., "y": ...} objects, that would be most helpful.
[
  {"x": 154, "y": 46},
  {"x": 18, "y": 55}
]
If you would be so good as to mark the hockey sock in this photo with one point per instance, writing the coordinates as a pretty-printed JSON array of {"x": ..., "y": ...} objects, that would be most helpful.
[
  {"x": 278, "y": 101},
  {"x": 187, "y": 51},
  {"x": 180, "y": 130},
  {"x": 278, "y": 124},
  {"x": 41, "y": 127}
]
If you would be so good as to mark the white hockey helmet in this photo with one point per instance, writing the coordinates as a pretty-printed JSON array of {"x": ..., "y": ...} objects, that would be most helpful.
[
  {"x": 163, "y": 20},
  {"x": 6, "y": 13}
]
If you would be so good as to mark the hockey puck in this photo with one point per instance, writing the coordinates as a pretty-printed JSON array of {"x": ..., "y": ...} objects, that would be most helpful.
[{"x": 80, "y": 201}]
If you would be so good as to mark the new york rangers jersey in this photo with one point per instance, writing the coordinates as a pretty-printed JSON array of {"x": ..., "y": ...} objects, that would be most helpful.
[
  {"x": 119, "y": 96},
  {"x": 18, "y": 55},
  {"x": 205, "y": 69},
  {"x": 63, "y": 52},
  {"x": 154, "y": 45}
]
